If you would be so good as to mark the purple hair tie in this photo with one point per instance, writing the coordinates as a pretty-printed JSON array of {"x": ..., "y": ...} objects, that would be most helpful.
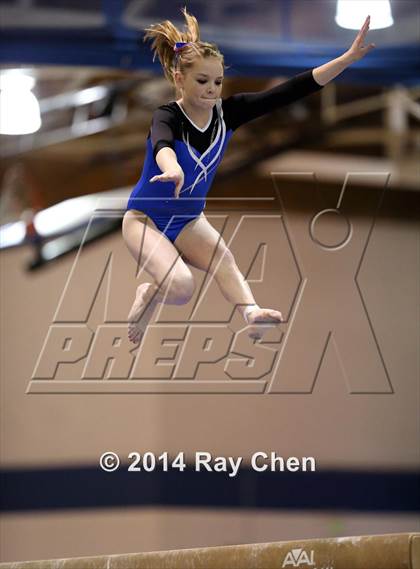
[{"x": 179, "y": 45}]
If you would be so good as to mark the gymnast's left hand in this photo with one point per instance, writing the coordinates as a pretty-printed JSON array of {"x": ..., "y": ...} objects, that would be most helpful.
[{"x": 357, "y": 49}]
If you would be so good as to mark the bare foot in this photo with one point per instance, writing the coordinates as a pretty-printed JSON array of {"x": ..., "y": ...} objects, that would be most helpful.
[
  {"x": 137, "y": 322},
  {"x": 261, "y": 320}
]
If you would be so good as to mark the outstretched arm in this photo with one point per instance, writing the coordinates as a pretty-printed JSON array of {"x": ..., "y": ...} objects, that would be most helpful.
[
  {"x": 162, "y": 139},
  {"x": 325, "y": 73},
  {"x": 244, "y": 107},
  {"x": 171, "y": 171}
]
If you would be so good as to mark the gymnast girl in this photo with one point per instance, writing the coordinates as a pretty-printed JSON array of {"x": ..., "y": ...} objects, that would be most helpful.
[{"x": 164, "y": 227}]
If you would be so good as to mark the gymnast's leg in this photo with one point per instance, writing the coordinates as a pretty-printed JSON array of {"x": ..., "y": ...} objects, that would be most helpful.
[
  {"x": 204, "y": 248},
  {"x": 172, "y": 281}
]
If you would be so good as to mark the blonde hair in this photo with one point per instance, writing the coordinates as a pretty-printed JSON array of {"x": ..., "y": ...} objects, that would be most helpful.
[{"x": 165, "y": 35}]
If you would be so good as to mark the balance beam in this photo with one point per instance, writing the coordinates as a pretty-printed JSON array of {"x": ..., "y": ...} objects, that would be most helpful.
[{"x": 393, "y": 551}]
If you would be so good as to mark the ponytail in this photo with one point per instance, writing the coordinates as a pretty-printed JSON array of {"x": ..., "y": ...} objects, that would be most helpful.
[{"x": 164, "y": 38}]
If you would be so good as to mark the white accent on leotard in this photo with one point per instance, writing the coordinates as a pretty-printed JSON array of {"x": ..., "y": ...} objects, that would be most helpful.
[
  {"x": 199, "y": 159},
  {"x": 192, "y": 122},
  {"x": 219, "y": 139}
]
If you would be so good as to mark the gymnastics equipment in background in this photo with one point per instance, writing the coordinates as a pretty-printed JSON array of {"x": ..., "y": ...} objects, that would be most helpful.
[{"x": 392, "y": 551}]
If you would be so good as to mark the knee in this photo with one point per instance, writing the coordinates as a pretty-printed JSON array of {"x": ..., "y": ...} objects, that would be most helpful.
[
  {"x": 182, "y": 288},
  {"x": 225, "y": 260}
]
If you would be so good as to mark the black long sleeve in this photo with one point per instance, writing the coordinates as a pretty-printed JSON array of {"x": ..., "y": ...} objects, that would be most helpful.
[
  {"x": 244, "y": 107},
  {"x": 162, "y": 131}
]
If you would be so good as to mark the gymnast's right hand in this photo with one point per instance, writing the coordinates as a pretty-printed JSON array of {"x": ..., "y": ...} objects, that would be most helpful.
[{"x": 173, "y": 175}]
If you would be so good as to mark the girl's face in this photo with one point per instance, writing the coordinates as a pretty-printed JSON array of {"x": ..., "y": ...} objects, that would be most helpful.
[{"x": 201, "y": 85}]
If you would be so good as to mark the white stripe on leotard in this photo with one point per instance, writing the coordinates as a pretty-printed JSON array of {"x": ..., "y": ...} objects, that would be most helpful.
[{"x": 220, "y": 136}]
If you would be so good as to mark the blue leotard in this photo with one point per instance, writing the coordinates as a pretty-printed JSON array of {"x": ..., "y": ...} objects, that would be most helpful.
[{"x": 200, "y": 150}]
